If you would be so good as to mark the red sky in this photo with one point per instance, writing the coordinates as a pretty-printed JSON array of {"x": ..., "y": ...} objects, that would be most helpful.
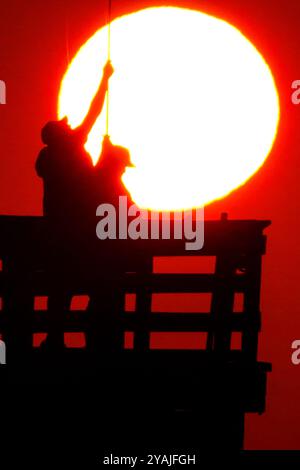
[{"x": 33, "y": 58}]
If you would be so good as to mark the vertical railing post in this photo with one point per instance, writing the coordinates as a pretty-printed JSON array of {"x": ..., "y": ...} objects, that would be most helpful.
[{"x": 143, "y": 308}]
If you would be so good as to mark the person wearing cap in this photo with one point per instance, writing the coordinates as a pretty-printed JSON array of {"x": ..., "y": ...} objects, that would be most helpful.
[
  {"x": 103, "y": 332},
  {"x": 68, "y": 175},
  {"x": 109, "y": 170},
  {"x": 64, "y": 165}
]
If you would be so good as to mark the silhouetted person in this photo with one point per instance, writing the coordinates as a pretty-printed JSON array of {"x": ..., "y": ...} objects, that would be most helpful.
[
  {"x": 106, "y": 301},
  {"x": 64, "y": 165},
  {"x": 68, "y": 176},
  {"x": 108, "y": 172}
]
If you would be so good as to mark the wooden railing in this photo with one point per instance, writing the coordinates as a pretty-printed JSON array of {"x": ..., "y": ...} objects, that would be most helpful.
[{"x": 237, "y": 247}]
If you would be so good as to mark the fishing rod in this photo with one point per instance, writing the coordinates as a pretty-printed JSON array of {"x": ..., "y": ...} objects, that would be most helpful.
[{"x": 108, "y": 58}]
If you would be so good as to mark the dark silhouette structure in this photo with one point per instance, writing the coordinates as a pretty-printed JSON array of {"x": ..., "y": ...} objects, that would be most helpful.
[
  {"x": 167, "y": 401},
  {"x": 193, "y": 399}
]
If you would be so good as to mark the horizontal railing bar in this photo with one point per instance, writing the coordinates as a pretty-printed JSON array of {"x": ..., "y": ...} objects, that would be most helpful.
[
  {"x": 154, "y": 322},
  {"x": 39, "y": 283}
]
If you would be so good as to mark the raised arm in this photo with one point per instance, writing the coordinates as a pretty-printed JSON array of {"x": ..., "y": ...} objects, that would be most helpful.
[{"x": 97, "y": 103}]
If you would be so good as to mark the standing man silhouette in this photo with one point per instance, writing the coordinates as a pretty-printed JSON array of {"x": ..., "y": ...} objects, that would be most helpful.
[
  {"x": 68, "y": 176},
  {"x": 64, "y": 164}
]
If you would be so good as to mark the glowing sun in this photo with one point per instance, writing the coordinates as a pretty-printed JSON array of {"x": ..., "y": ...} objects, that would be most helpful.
[{"x": 191, "y": 98}]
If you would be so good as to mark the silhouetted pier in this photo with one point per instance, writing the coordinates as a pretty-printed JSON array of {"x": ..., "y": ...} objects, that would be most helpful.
[{"x": 195, "y": 398}]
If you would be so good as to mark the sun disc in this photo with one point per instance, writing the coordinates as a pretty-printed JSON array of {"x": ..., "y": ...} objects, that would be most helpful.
[{"x": 191, "y": 98}]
